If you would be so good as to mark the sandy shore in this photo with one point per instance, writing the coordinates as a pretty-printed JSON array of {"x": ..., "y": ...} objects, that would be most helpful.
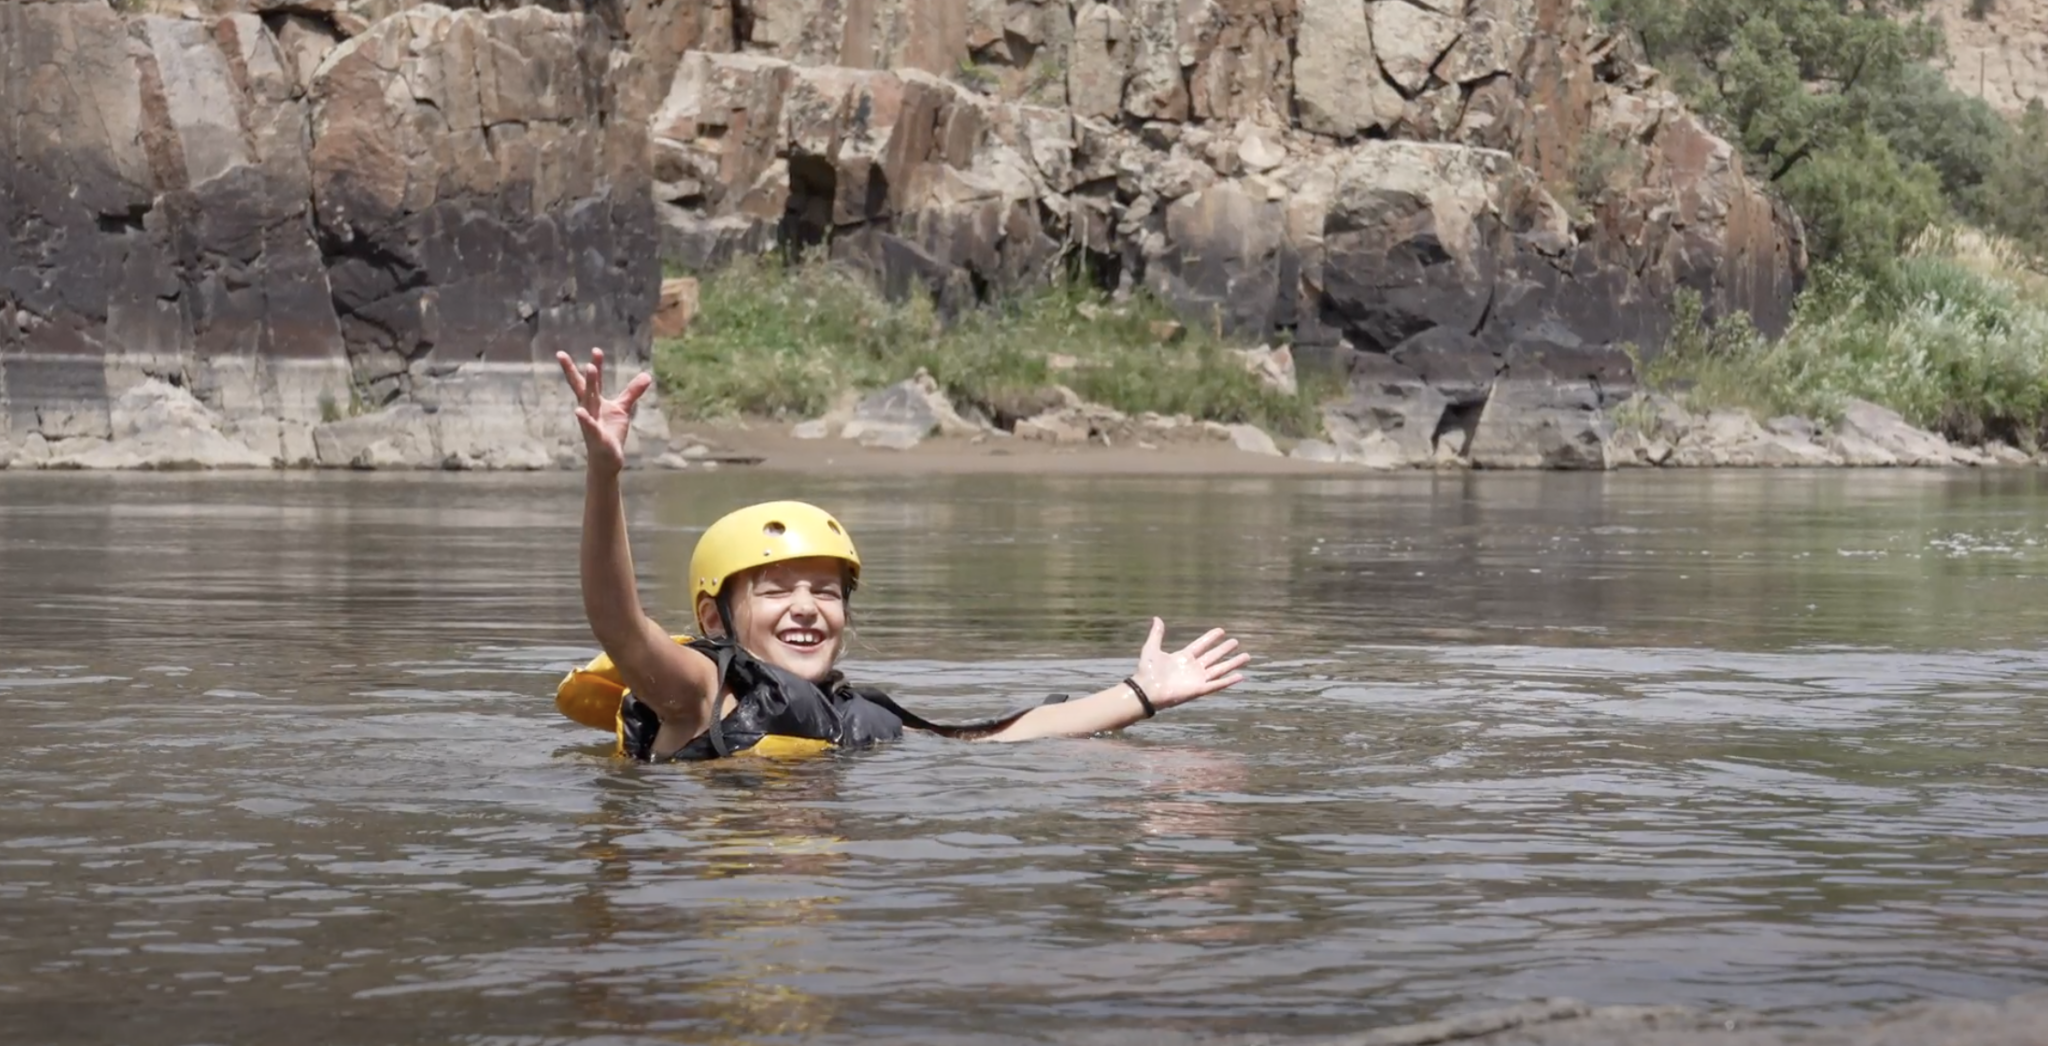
[{"x": 768, "y": 446}]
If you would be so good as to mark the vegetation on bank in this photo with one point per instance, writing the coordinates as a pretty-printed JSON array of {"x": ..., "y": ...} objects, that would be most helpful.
[
  {"x": 1926, "y": 215},
  {"x": 789, "y": 340},
  {"x": 1956, "y": 340}
]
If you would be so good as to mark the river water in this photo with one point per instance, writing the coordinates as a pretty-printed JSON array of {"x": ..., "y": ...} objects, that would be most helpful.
[{"x": 279, "y": 754}]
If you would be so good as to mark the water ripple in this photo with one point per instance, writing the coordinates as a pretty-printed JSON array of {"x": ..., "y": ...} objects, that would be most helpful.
[{"x": 281, "y": 749}]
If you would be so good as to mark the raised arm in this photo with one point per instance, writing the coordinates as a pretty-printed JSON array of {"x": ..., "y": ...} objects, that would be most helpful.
[
  {"x": 1197, "y": 670},
  {"x": 675, "y": 681}
]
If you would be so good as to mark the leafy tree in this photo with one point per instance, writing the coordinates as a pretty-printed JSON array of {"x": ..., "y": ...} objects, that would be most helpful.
[
  {"x": 1861, "y": 203},
  {"x": 1927, "y": 121},
  {"x": 2013, "y": 198},
  {"x": 1791, "y": 78},
  {"x": 1810, "y": 90}
]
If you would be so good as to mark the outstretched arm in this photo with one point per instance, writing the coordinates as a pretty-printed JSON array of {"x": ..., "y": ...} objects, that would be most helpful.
[
  {"x": 1197, "y": 670},
  {"x": 671, "y": 679}
]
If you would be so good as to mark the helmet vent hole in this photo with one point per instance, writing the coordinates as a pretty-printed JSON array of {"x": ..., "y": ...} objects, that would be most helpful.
[
  {"x": 833, "y": 525},
  {"x": 773, "y": 530}
]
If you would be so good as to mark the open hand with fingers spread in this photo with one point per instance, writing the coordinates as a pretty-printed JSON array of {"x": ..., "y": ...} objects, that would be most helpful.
[
  {"x": 605, "y": 422},
  {"x": 1197, "y": 670}
]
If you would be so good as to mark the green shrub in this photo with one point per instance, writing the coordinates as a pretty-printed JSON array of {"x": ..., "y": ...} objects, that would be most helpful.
[
  {"x": 1946, "y": 345},
  {"x": 1861, "y": 205},
  {"x": 787, "y": 341},
  {"x": 2013, "y": 198}
]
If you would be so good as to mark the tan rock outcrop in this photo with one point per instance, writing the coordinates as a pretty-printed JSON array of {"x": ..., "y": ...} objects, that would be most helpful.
[
  {"x": 1338, "y": 85},
  {"x": 2001, "y": 57}
]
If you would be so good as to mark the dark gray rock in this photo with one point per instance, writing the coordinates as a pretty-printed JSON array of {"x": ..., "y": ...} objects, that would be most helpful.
[{"x": 184, "y": 198}]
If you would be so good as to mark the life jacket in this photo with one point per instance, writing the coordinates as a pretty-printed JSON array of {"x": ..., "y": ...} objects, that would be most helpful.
[{"x": 775, "y": 712}]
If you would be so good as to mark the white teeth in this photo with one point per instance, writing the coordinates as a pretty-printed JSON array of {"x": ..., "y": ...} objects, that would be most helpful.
[{"x": 802, "y": 637}]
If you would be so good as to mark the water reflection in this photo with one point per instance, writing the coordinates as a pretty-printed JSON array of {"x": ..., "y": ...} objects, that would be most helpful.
[{"x": 745, "y": 853}]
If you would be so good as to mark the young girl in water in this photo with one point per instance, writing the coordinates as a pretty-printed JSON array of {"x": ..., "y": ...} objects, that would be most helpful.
[{"x": 770, "y": 584}]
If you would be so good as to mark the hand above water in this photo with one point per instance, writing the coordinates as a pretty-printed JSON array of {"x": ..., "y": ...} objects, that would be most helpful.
[
  {"x": 1197, "y": 670},
  {"x": 605, "y": 422}
]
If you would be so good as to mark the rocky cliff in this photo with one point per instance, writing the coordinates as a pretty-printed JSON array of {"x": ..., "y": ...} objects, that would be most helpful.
[
  {"x": 1997, "y": 51},
  {"x": 344, "y": 231},
  {"x": 289, "y": 226}
]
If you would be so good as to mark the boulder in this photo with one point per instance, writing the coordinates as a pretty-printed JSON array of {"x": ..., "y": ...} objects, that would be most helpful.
[
  {"x": 1253, "y": 440},
  {"x": 1101, "y": 62},
  {"x": 400, "y": 436},
  {"x": 676, "y": 308},
  {"x": 1631, "y": 448},
  {"x": 2005, "y": 454},
  {"x": 1540, "y": 424},
  {"x": 1315, "y": 450},
  {"x": 1656, "y": 429},
  {"x": 157, "y": 425},
  {"x": 900, "y": 416},
  {"x": 1868, "y": 433},
  {"x": 1074, "y": 422},
  {"x": 1734, "y": 439},
  {"x": 1274, "y": 367}
]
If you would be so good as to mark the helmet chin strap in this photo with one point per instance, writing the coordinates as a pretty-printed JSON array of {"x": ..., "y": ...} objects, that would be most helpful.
[{"x": 724, "y": 605}]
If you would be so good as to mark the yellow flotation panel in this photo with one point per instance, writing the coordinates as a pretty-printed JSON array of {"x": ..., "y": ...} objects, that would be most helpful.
[
  {"x": 783, "y": 746},
  {"x": 590, "y": 695}
]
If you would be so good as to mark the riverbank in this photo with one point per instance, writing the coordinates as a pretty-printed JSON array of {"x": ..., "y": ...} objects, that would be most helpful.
[
  {"x": 1937, "y": 365},
  {"x": 811, "y": 368},
  {"x": 909, "y": 428},
  {"x": 773, "y": 447},
  {"x": 1649, "y": 431}
]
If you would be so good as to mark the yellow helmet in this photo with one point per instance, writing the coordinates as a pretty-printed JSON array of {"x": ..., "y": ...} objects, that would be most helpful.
[{"x": 770, "y": 532}]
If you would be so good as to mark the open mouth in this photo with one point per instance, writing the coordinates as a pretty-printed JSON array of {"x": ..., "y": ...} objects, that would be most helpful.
[{"x": 805, "y": 639}]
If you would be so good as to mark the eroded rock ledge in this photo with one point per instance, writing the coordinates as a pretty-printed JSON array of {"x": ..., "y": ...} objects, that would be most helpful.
[{"x": 296, "y": 228}]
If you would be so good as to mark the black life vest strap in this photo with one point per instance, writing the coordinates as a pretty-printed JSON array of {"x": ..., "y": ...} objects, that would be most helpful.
[
  {"x": 960, "y": 730},
  {"x": 722, "y": 656},
  {"x": 910, "y": 719}
]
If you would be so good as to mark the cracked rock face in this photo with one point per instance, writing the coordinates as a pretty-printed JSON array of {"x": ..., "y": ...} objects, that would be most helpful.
[
  {"x": 291, "y": 222},
  {"x": 466, "y": 193},
  {"x": 401, "y": 193},
  {"x": 1409, "y": 39},
  {"x": 1338, "y": 81},
  {"x": 1196, "y": 152}
]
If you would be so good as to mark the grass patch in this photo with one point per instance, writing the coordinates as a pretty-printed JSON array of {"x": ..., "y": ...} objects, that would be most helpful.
[
  {"x": 1955, "y": 339},
  {"x": 1600, "y": 166},
  {"x": 976, "y": 77},
  {"x": 786, "y": 341}
]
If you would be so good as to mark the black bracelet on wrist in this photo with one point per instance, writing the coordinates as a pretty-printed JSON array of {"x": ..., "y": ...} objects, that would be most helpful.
[{"x": 1142, "y": 699}]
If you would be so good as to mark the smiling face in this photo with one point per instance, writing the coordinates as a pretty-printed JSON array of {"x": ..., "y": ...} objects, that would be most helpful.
[{"x": 790, "y": 614}]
